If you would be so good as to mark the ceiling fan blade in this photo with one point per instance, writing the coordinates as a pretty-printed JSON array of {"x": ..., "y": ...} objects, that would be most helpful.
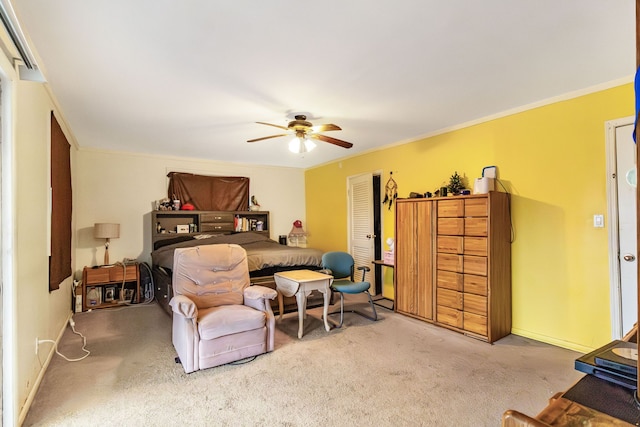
[
  {"x": 324, "y": 128},
  {"x": 330, "y": 140},
  {"x": 267, "y": 137},
  {"x": 275, "y": 126}
]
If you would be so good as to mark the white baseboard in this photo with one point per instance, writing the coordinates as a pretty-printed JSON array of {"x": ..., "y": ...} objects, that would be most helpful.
[
  {"x": 553, "y": 341},
  {"x": 32, "y": 393}
]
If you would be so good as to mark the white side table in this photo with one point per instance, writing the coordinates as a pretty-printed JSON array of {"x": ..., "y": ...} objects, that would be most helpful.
[{"x": 300, "y": 283}]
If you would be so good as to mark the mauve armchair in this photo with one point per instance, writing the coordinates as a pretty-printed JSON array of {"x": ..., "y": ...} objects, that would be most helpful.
[{"x": 218, "y": 317}]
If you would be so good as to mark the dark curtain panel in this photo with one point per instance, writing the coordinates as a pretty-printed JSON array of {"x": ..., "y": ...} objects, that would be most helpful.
[
  {"x": 60, "y": 259},
  {"x": 210, "y": 193}
]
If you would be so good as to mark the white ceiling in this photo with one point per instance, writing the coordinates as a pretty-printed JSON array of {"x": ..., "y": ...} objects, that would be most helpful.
[{"x": 190, "y": 78}]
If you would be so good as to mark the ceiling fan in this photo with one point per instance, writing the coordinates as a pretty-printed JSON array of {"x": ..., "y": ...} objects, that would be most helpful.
[{"x": 305, "y": 131}]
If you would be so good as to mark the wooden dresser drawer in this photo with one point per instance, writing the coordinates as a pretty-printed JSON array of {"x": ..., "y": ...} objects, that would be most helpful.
[
  {"x": 97, "y": 275},
  {"x": 451, "y": 208},
  {"x": 475, "y": 284},
  {"x": 116, "y": 273},
  {"x": 475, "y": 323},
  {"x": 450, "y": 280},
  {"x": 450, "y": 244},
  {"x": 217, "y": 217},
  {"x": 475, "y": 226},
  {"x": 475, "y": 246},
  {"x": 216, "y": 226},
  {"x": 451, "y": 226},
  {"x": 476, "y": 207},
  {"x": 474, "y": 265},
  {"x": 449, "y": 262},
  {"x": 449, "y": 298},
  {"x": 475, "y": 304},
  {"x": 449, "y": 316}
]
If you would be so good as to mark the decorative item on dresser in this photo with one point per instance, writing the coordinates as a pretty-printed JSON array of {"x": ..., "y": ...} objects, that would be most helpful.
[{"x": 453, "y": 263}]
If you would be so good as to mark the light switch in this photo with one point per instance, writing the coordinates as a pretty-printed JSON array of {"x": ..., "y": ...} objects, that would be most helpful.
[{"x": 598, "y": 221}]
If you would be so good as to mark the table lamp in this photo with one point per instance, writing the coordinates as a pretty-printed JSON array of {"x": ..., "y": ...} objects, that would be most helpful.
[{"x": 106, "y": 231}]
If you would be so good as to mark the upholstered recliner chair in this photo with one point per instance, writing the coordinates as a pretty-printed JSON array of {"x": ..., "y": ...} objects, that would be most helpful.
[{"x": 217, "y": 316}]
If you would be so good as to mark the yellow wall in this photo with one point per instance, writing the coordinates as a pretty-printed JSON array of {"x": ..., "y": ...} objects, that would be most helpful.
[{"x": 552, "y": 160}]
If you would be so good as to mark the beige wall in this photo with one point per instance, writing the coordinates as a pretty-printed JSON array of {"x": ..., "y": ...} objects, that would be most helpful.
[
  {"x": 39, "y": 313},
  {"x": 121, "y": 187}
]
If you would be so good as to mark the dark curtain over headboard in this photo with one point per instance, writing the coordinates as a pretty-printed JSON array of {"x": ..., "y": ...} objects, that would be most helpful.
[{"x": 210, "y": 193}]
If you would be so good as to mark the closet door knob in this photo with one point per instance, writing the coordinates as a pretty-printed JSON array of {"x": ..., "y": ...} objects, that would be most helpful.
[{"x": 629, "y": 257}]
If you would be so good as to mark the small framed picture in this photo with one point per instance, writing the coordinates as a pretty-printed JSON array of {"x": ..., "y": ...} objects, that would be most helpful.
[
  {"x": 109, "y": 293},
  {"x": 183, "y": 228},
  {"x": 128, "y": 295}
]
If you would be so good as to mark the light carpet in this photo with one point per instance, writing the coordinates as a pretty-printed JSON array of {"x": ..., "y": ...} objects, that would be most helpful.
[{"x": 397, "y": 371}]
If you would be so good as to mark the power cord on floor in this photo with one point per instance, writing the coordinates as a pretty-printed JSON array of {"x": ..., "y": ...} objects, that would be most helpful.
[
  {"x": 84, "y": 344},
  {"x": 243, "y": 361}
]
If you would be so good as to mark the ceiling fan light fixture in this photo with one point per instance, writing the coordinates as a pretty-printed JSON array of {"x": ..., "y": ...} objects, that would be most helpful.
[
  {"x": 309, "y": 145},
  {"x": 295, "y": 144},
  {"x": 305, "y": 132},
  {"x": 301, "y": 145}
]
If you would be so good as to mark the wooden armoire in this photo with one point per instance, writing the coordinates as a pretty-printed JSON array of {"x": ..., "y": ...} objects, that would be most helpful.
[{"x": 453, "y": 263}]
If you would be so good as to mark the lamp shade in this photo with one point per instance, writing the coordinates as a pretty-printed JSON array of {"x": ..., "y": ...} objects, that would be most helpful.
[
  {"x": 106, "y": 231},
  {"x": 300, "y": 145},
  {"x": 297, "y": 232}
]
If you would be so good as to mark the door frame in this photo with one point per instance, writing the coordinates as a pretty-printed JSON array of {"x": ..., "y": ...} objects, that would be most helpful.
[{"x": 612, "y": 223}]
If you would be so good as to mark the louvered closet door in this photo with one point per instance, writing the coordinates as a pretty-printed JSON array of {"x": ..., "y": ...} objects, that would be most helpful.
[{"x": 361, "y": 241}]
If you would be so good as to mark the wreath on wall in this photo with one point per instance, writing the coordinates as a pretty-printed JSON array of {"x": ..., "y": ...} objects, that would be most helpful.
[{"x": 390, "y": 191}]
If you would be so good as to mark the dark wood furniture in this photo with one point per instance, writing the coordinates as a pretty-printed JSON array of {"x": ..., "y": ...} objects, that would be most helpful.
[
  {"x": 166, "y": 224},
  {"x": 102, "y": 287},
  {"x": 562, "y": 412},
  {"x": 590, "y": 402},
  {"x": 453, "y": 263},
  {"x": 215, "y": 223}
]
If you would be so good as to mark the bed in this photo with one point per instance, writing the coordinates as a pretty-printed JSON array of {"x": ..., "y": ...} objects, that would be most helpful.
[{"x": 265, "y": 257}]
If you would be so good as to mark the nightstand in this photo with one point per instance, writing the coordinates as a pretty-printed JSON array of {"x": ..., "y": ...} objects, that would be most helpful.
[{"x": 102, "y": 286}]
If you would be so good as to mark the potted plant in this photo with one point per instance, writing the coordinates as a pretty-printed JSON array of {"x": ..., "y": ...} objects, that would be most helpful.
[{"x": 456, "y": 185}]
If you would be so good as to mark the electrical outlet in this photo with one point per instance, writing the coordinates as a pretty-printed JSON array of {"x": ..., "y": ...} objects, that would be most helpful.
[
  {"x": 78, "y": 304},
  {"x": 37, "y": 345}
]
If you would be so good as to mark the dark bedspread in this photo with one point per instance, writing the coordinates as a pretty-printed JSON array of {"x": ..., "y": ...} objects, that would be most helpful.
[{"x": 262, "y": 252}]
